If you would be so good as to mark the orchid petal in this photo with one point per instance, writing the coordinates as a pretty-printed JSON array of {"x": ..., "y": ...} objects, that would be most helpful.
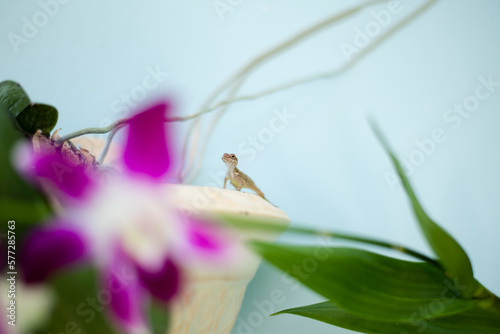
[
  {"x": 71, "y": 180},
  {"x": 205, "y": 242},
  {"x": 23, "y": 158},
  {"x": 146, "y": 151},
  {"x": 163, "y": 284},
  {"x": 127, "y": 295},
  {"x": 207, "y": 239},
  {"x": 49, "y": 249}
]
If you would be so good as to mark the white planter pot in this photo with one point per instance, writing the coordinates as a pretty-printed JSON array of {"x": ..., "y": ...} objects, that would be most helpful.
[{"x": 210, "y": 301}]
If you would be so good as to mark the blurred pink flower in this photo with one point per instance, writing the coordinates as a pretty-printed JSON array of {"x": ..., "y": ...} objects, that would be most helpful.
[{"x": 128, "y": 229}]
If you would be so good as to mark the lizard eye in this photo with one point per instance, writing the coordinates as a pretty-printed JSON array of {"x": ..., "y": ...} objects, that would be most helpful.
[{"x": 233, "y": 156}]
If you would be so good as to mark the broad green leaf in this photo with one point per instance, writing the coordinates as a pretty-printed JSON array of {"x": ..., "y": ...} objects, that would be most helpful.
[
  {"x": 80, "y": 305},
  {"x": 471, "y": 321},
  {"x": 37, "y": 116},
  {"x": 159, "y": 317},
  {"x": 13, "y": 97},
  {"x": 366, "y": 283},
  {"x": 450, "y": 253}
]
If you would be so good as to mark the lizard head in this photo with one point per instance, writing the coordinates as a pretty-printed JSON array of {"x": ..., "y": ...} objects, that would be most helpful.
[{"x": 230, "y": 159}]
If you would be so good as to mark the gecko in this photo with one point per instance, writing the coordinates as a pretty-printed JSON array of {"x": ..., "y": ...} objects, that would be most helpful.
[{"x": 237, "y": 178}]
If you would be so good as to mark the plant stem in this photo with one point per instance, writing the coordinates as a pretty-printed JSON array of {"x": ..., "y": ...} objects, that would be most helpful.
[
  {"x": 211, "y": 128},
  {"x": 369, "y": 241},
  {"x": 491, "y": 301},
  {"x": 494, "y": 307},
  {"x": 239, "y": 77},
  {"x": 268, "y": 225},
  {"x": 252, "y": 65},
  {"x": 324, "y": 75},
  {"x": 89, "y": 131},
  {"x": 281, "y": 47},
  {"x": 105, "y": 150}
]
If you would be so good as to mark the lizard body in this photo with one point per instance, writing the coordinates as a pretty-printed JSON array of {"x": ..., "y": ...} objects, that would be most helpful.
[{"x": 237, "y": 178}]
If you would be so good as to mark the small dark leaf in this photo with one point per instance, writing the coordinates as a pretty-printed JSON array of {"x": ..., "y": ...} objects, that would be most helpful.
[
  {"x": 472, "y": 321},
  {"x": 38, "y": 116},
  {"x": 13, "y": 97}
]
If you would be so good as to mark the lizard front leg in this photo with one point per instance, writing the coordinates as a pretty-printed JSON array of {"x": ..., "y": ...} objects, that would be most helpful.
[{"x": 225, "y": 181}]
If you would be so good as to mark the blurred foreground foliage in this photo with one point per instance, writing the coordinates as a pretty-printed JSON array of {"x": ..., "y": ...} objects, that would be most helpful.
[{"x": 75, "y": 308}]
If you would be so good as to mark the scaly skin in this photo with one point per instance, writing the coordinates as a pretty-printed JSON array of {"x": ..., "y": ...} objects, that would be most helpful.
[{"x": 237, "y": 178}]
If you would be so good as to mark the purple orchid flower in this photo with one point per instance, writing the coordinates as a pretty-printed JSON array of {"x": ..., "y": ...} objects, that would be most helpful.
[{"x": 129, "y": 229}]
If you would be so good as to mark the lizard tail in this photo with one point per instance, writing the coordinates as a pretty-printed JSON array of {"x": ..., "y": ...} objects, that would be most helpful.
[
  {"x": 260, "y": 193},
  {"x": 257, "y": 190}
]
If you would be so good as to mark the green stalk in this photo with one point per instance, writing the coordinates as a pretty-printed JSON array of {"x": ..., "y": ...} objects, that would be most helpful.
[{"x": 277, "y": 226}]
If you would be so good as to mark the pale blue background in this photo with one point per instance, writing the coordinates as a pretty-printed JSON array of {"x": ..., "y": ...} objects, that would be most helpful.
[{"x": 325, "y": 169}]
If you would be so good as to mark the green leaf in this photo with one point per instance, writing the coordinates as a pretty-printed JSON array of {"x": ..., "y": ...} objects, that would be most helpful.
[
  {"x": 80, "y": 305},
  {"x": 366, "y": 283},
  {"x": 13, "y": 97},
  {"x": 159, "y": 316},
  {"x": 18, "y": 200},
  {"x": 450, "y": 253},
  {"x": 24, "y": 211},
  {"x": 38, "y": 116},
  {"x": 255, "y": 226},
  {"x": 472, "y": 321},
  {"x": 260, "y": 228}
]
